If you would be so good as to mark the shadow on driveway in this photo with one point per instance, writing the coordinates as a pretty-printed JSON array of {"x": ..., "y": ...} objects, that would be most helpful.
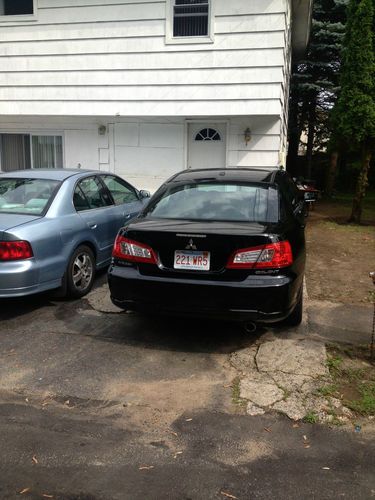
[
  {"x": 21, "y": 306},
  {"x": 180, "y": 334},
  {"x": 43, "y": 315}
]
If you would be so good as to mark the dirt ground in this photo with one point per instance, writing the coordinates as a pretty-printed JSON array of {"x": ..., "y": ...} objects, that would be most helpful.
[{"x": 339, "y": 255}]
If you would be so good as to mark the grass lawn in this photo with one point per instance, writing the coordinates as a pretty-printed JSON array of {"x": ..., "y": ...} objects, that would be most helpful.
[{"x": 353, "y": 378}]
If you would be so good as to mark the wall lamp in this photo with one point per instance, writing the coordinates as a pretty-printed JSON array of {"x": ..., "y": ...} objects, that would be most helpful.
[{"x": 247, "y": 135}]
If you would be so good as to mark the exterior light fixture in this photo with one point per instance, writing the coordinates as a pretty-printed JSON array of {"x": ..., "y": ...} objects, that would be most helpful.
[
  {"x": 247, "y": 135},
  {"x": 102, "y": 130}
]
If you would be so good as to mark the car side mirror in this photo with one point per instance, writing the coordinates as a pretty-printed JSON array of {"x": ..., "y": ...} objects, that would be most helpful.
[{"x": 144, "y": 194}]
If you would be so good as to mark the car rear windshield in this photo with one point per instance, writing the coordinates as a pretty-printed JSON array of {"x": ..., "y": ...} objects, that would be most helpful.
[
  {"x": 26, "y": 196},
  {"x": 217, "y": 201}
]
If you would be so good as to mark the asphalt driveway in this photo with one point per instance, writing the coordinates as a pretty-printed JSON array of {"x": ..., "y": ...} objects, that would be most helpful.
[{"x": 97, "y": 405}]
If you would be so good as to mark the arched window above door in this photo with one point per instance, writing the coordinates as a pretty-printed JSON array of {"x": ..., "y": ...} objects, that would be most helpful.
[{"x": 208, "y": 134}]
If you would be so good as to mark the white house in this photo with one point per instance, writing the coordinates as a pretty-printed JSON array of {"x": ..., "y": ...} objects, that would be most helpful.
[{"x": 146, "y": 88}]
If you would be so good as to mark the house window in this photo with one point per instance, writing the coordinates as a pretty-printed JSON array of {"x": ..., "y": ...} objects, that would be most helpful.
[
  {"x": 23, "y": 151},
  {"x": 16, "y": 7},
  {"x": 208, "y": 134},
  {"x": 190, "y": 18}
]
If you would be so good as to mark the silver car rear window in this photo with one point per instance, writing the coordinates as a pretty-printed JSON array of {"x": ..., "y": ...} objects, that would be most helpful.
[
  {"x": 215, "y": 201},
  {"x": 26, "y": 196}
]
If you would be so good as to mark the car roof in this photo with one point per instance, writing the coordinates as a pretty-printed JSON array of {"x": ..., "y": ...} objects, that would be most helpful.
[
  {"x": 242, "y": 174},
  {"x": 55, "y": 174}
]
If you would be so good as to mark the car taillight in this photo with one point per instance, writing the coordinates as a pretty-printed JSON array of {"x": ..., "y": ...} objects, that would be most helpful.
[
  {"x": 273, "y": 255},
  {"x": 133, "y": 251},
  {"x": 15, "y": 250}
]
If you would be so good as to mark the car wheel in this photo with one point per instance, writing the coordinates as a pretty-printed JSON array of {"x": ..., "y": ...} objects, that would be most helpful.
[
  {"x": 80, "y": 273},
  {"x": 295, "y": 317}
]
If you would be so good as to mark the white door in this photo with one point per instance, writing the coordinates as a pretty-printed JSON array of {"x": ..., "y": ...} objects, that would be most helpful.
[{"x": 207, "y": 145}]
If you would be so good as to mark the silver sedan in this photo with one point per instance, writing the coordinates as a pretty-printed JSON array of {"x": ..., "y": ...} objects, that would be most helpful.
[{"x": 58, "y": 226}]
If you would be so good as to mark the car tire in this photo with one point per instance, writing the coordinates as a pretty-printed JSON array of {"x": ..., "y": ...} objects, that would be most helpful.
[
  {"x": 80, "y": 272},
  {"x": 295, "y": 317}
]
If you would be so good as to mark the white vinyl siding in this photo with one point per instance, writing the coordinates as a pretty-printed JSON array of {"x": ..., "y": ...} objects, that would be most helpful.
[
  {"x": 109, "y": 57},
  {"x": 81, "y": 65},
  {"x": 146, "y": 151}
]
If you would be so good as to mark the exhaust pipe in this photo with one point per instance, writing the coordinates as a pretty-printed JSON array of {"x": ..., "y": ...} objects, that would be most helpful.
[{"x": 250, "y": 327}]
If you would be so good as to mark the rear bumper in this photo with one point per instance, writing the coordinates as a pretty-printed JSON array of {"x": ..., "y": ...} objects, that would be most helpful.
[
  {"x": 20, "y": 278},
  {"x": 262, "y": 299}
]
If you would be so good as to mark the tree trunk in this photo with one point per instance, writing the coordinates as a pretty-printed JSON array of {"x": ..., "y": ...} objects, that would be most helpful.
[
  {"x": 362, "y": 184},
  {"x": 311, "y": 136},
  {"x": 331, "y": 174}
]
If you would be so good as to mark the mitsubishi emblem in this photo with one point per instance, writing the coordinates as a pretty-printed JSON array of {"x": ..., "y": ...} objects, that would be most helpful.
[{"x": 190, "y": 245}]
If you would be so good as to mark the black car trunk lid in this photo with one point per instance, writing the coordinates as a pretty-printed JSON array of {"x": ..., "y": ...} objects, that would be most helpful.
[{"x": 219, "y": 239}]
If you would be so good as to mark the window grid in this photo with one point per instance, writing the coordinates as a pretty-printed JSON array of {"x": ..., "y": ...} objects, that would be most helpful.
[{"x": 208, "y": 134}]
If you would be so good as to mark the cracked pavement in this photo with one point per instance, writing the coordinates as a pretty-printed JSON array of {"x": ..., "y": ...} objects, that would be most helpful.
[{"x": 284, "y": 375}]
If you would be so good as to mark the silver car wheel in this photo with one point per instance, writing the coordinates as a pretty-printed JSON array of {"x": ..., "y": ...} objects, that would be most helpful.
[{"x": 82, "y": 271}]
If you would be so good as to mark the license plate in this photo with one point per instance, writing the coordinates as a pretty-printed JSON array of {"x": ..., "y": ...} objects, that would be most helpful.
[{"x": 192, "y": 260}]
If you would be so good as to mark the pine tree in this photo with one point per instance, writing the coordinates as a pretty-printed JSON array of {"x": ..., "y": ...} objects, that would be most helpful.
[
  {"x": 314, "y": 81},
  {"x": 354, "y": 113}
]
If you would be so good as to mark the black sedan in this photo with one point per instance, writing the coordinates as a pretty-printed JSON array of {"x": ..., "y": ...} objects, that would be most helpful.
[{"x": 225, "y": 243}]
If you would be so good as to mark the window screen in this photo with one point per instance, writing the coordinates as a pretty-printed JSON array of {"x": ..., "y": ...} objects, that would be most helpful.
[{"x": 190, "y": 18}]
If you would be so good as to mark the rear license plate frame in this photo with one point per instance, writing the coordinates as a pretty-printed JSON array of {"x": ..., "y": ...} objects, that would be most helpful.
[{"x": 192, "y": 260}]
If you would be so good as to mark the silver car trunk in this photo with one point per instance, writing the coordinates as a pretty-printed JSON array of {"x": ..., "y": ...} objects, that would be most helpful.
[{"x": 9, "y": 221}]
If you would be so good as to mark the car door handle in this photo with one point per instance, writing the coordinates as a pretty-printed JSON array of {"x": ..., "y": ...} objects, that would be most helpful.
[{"x": 93, "y": 225}]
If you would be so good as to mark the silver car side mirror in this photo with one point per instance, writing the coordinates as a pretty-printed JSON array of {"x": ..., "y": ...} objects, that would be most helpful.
[{"x": 144, "y": 194}]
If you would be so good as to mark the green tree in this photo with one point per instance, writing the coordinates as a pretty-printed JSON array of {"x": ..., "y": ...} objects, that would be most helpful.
[
  {"x": 354, "y": 113},
  {"x": 314, "y": 81}
]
